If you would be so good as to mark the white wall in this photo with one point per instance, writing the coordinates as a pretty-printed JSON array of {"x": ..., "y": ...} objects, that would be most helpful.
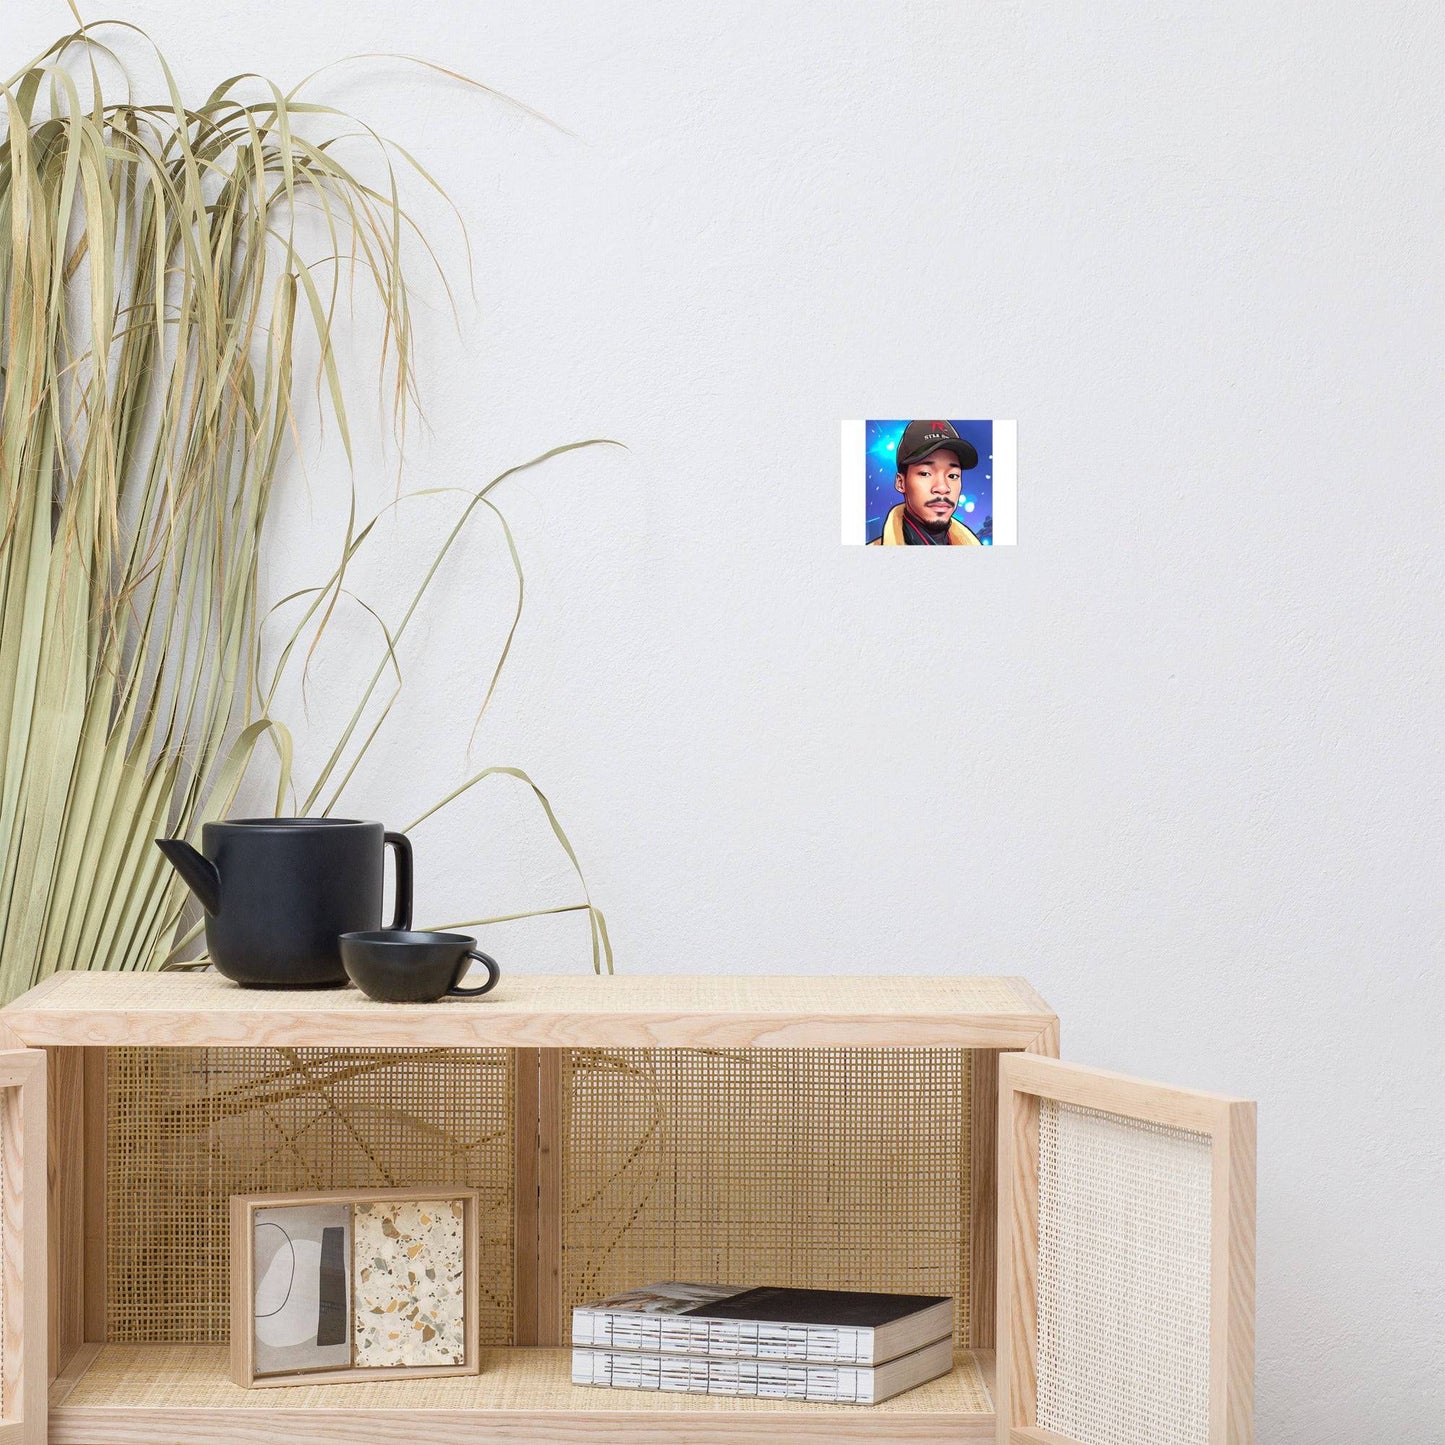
[{"x": 1175, "y": 758}]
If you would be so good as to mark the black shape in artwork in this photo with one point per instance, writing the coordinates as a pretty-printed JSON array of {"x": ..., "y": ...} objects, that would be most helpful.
[{"x": 331, "y": 1306}]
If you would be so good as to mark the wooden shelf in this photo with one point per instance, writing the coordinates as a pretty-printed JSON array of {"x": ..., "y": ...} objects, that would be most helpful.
[
  {"x": 180, "y": 1395},
  {"x": 547, "y": 1011}
]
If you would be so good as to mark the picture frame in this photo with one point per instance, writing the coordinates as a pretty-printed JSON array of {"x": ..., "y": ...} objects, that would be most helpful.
[{"x": 353, "y": 1285}]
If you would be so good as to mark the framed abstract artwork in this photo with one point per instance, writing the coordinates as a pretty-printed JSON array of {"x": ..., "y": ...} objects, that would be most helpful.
[{"x": 354, "y": 1285}]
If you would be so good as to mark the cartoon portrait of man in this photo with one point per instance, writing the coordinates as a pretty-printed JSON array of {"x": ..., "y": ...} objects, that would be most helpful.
[{"x": 931, "y": 459}]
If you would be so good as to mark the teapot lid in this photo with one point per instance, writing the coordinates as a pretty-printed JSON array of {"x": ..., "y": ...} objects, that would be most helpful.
[{"x": 290, "y": 823}]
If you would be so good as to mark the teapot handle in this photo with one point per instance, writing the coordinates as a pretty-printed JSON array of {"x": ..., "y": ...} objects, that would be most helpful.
[{"x": 402, "y": 914}]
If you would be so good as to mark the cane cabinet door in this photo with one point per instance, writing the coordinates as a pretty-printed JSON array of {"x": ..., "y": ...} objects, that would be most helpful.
[
  {"x": 23, "y": 1263},
  {"x": 1126, "y": 1260}
]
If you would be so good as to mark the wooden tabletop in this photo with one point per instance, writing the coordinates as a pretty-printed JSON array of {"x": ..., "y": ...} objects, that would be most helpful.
[{"x": 539, "y": 1011}]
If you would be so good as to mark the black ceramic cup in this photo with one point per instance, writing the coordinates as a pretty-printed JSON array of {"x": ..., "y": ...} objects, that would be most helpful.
[{"x": 394, "y": 965}]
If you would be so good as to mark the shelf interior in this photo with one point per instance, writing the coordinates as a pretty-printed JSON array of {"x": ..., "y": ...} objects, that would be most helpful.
[{"x": 105, "y": 1381}]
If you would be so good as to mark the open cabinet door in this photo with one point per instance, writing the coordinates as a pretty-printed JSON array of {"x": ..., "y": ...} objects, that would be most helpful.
[
  {"x": 23, "y": 1262},
  {"x": 1126, "y": 1260}
]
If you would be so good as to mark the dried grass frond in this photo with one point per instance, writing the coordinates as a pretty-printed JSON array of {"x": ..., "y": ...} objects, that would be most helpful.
[{"x": 157, "y": 292}]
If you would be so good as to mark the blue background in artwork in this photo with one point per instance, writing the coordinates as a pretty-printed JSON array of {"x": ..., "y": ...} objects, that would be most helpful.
[{"x": 880, "y": 441}]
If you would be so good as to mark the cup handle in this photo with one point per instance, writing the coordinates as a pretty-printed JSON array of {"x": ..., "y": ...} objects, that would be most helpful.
[{"x": 494, "y": 972}]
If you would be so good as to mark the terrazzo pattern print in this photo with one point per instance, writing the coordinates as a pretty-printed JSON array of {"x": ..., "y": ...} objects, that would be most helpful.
[{"x": 409, "y": 1291}]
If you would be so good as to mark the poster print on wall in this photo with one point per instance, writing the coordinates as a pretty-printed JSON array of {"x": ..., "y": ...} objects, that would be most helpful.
[{"x": 924, "y": 483}]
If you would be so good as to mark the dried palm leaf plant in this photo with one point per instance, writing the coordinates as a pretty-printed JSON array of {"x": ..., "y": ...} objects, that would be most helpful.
[{"x": 158, "y": 296}]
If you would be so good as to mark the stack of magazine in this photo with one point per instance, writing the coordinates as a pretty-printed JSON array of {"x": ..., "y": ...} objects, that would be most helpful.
[{"x": 838, "y": 1347}]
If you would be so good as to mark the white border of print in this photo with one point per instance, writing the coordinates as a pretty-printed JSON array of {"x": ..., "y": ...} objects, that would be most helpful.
[{"x": 854, "y": 509}]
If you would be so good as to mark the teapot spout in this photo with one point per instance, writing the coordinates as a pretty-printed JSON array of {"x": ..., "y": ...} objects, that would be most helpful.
[{"x": 199, "y": 872}]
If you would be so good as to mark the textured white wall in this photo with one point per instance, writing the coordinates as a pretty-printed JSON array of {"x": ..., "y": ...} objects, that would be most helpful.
[{"x": 1175, "y": 758}]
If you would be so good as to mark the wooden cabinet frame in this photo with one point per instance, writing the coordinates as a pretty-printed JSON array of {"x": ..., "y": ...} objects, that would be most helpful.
[
  {"x": 76, "y": 1018},
  {"x": 23, "y": 1250}
]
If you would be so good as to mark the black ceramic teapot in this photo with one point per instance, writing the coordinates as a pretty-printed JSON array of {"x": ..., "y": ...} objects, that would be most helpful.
[{"x": 278, "y": 892}]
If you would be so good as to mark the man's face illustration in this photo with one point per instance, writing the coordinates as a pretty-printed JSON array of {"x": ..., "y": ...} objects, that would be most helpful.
[{"x": 930, "y": 488}]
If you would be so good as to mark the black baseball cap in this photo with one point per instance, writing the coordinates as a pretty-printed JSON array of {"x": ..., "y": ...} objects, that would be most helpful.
[{"x": 920, "y": 438}]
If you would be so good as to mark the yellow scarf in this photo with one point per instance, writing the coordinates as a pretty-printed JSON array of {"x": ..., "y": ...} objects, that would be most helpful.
[{"x": 892, "y": 534}]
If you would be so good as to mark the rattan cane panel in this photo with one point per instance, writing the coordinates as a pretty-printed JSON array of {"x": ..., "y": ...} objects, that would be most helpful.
[
  {"x": 209, "y": 993},
  {"x": 825, "y": 1168},
  {"x": 1123, "y": 1279},
  {"x": 187, "y": 1128},
  {"x": 191, "y": 1377}
]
